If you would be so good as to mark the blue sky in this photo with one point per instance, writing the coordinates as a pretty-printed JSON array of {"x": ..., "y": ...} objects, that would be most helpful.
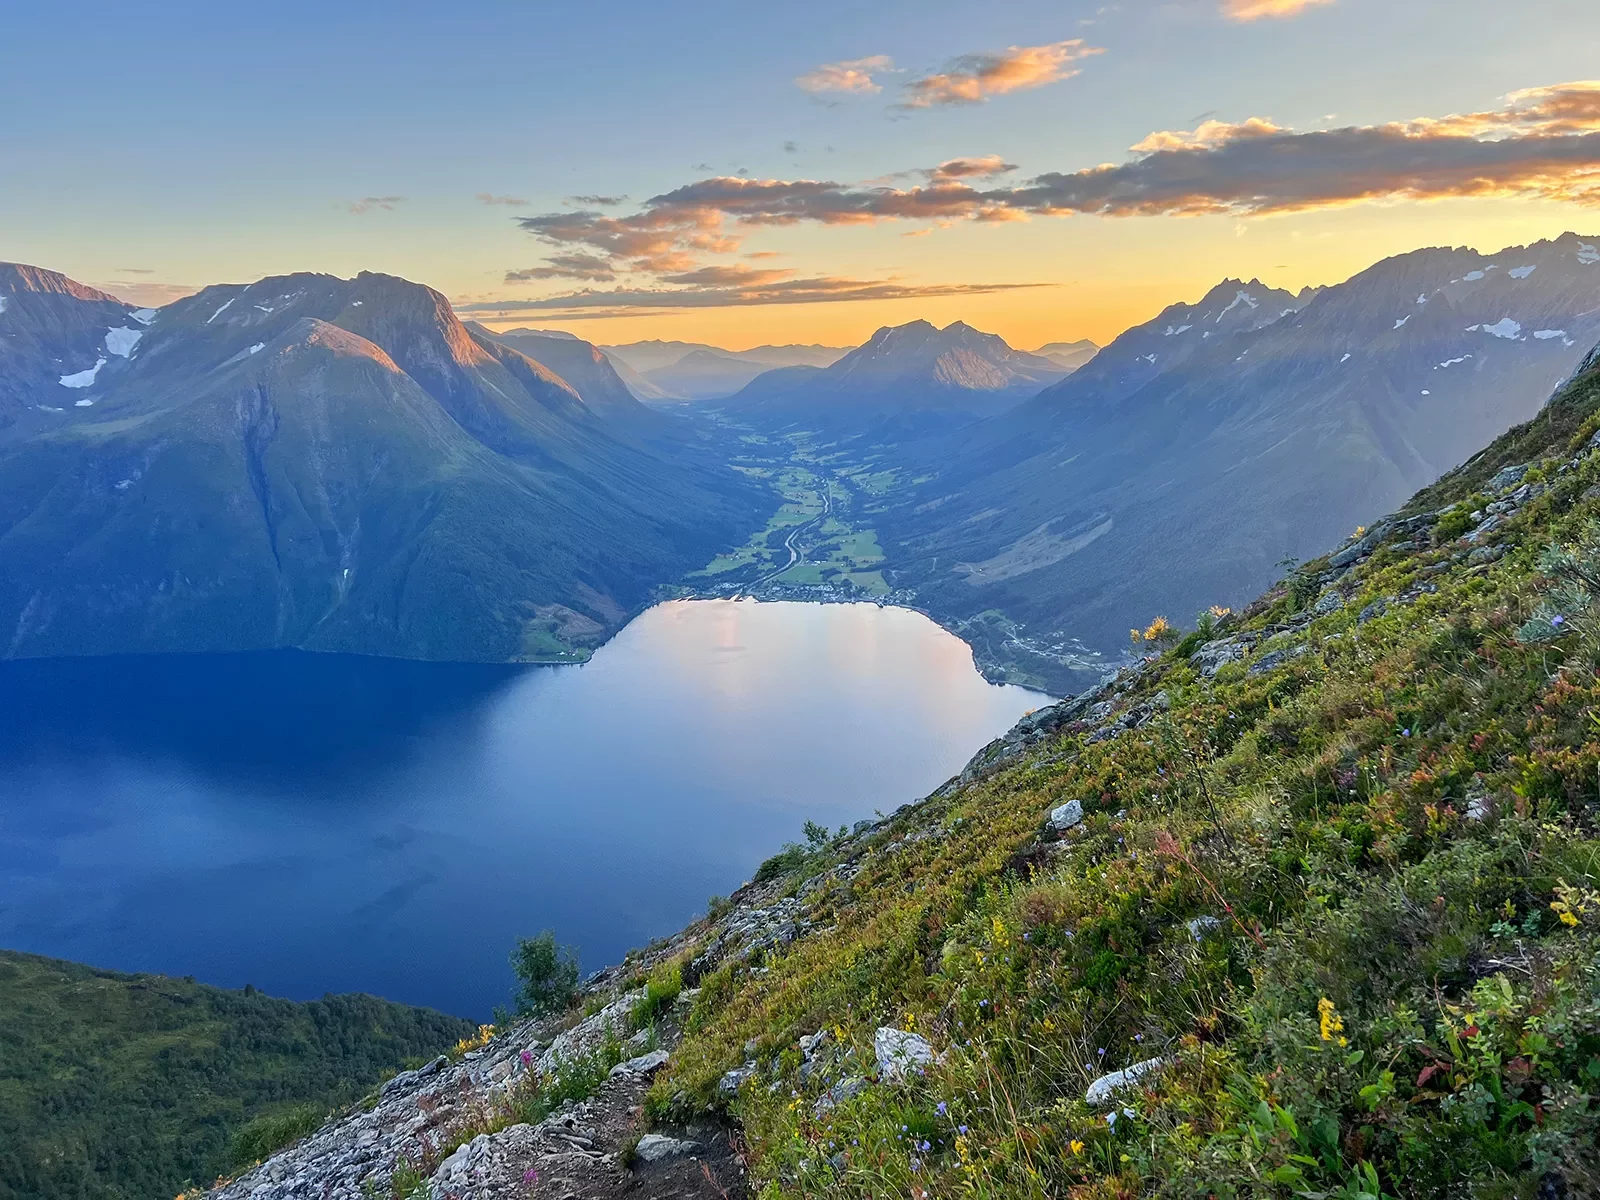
[{"x": 168, "y": 145}]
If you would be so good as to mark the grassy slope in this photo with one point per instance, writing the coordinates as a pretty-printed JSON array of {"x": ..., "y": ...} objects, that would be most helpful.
[
  {"x": 117, "y": 1085},
  {"x": 1390, "y": 1005}
]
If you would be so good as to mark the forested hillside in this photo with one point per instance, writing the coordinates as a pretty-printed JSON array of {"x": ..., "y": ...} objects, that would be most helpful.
[{"x": 124, "y": 1087}]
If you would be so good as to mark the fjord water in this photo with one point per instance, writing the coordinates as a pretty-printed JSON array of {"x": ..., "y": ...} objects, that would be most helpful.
[{"x": 314, "y": 823}]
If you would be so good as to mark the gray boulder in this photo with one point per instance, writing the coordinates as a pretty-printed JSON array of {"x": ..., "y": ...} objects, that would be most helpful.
[
  {"x": 656, "y": 1147},
  {"x": 1103, "y": 1090},
  {"x": 1063, "y": 817},
  {"x": 900, "y": 1052}
]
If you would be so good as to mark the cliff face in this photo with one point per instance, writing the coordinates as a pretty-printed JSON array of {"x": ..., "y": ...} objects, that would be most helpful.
[{"x": 1308, "y": 900}]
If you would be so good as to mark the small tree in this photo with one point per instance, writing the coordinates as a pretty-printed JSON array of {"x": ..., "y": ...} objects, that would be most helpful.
[
  {"x": 548, "y": 974},
  {"x": 816, "y": 835}
]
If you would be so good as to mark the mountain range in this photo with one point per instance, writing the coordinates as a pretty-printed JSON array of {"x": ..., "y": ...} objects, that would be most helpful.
[
  {"x": 340, "y": 464},
  {"x": 331, "y": 464},
  {"x": 1200, "y": 449}
]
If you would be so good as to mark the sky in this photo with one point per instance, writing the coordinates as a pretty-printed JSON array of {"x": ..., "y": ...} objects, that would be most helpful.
[{"x": 748, "y": 173}]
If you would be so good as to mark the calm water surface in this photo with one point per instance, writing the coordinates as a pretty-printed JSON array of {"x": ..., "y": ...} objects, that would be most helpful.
[{"x": 313, "y": 823}]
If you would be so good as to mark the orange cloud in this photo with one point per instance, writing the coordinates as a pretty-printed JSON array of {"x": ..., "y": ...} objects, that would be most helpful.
[
  {"x": 1255, "y": 10},
  {"x": 983, "y": 167},
  {"x": 854, "y": 75},
  {"x": 1543, "y": 142},
  {"x": 973, "y": 78}
]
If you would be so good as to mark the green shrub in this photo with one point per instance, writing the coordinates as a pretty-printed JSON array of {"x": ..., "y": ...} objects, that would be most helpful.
[
  {"x": 661, "y": 989},
  {"x": 271, "y": 1132},
  {"x": 791, "y": 858},
  {"x": 548, "y": 975}
]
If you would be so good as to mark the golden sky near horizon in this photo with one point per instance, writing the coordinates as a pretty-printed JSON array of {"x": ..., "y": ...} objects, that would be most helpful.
[{"x": 740, "y": 174}]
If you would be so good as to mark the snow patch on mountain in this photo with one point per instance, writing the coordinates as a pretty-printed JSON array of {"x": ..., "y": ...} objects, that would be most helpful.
[
  {"x": 1506, "y": 328},
  {"x": 143, "y": 315},
  {"x": 1522, "y": 272},
  {"x": 121, "y": 340},
  {"x": 1172, "y": 330},
  {"x": 220, "y": 311},
  {"x": 1402, "y": 320},
  {"x": 1450, "y": 362},
  {"x": 1243, "y": 297},
  {"x": 1545, "y": 335},
  {"x": 1587, "y": 254},
  {"x": 83, "y": 379}
]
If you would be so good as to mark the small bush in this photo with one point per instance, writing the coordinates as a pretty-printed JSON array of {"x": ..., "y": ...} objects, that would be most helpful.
[
  {"x": 660, "y": 990},
  {"x": 548, "y": 974},
  {"x": 271, "y": 1132},
  {"x": 791, "y": 858}
]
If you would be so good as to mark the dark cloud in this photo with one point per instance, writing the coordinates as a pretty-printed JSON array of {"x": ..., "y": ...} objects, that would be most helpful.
[
  {"x": 567, "y": 266},
  {"x": 985, "y": 167},
  {"x": 368, "y": 203},
  {"x": 598, "y": 201},
  {"x": 508, "y": 201},
  {"x": 825, "y": 289},
  {"x": 791, "y": 147},
  {"x": 135, "y": 271}
]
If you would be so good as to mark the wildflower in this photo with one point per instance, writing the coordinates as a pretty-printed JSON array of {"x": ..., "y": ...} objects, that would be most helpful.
[
  {"x": 530, "y": 1176},
  {"x": 527, "y": 1058},
  {"x": 1102, "y": 1051},
  {"x": 962, "y": 1130},
  {"x": 1558, "y": 620},
  {"x": 1332, "y": 1023},
  {"x": 943, "y": 1108},
  {"x": 1076, "y": 1146}
]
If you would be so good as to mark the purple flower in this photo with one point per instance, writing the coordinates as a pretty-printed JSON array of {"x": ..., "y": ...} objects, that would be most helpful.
[
  {"x": 530, "y": 1175},
  {"x": 1102, "y": 1051},
  {"x": 1558, "y": 620},
  {"x": 943, "y": 1108},
  {"x": 1405, "y": 732},
  {"x": 962, "y": 1129},
  {"x": 527, "y": 1058}
]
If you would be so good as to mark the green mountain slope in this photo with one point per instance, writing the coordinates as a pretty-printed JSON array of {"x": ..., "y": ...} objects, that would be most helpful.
[
  {"x": 1324, "y": 878},
  {"x": 339, "y": 465},
  {"x": 118, "y": 1086}
]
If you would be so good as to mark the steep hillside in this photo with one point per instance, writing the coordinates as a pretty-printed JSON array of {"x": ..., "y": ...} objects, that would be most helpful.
[
  {"x": 1306, "y": 903},
  {"x": 123, "y": 1087},
  {"x": 336, "y": 465},
  {"x": 590, "y": 373},
  {"x": 1199, "y": 450},
  {"x": 53, "y": 331}
]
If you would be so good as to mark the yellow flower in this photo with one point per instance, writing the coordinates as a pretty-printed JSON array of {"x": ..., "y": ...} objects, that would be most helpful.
[
  {"x": 1157, "y": 629},
  {"x": 1077, "y": 1146},
  {"x": 1332, "y": 1023}
]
